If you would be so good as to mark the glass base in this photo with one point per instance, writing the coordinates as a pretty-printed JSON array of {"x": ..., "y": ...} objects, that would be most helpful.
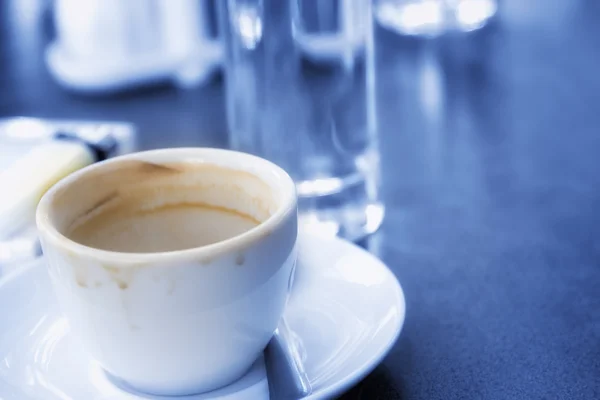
[{"x": 351, "y": 223}]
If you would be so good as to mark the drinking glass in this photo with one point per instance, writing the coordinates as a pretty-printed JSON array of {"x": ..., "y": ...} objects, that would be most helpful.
[{"x": 300, "y": 92}]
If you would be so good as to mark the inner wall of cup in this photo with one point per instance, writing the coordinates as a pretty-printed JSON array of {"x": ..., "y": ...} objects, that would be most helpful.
[{"x": 147, "y": 186}]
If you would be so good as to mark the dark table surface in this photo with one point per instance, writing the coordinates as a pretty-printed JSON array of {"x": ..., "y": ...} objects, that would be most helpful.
[{"x": 491, "y": 179}]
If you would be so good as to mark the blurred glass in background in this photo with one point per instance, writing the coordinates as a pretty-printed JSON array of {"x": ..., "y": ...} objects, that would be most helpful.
[
  {"x": 434, "y": 17},
  {"x": 299, "y": 88}
]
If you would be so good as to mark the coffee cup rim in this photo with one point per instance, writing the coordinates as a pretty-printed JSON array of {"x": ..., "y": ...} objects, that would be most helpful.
[{"x": 212, "y": 156}]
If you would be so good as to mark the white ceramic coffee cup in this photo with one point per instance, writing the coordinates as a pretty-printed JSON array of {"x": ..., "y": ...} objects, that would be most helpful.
[{"x": 185, "y": 321}]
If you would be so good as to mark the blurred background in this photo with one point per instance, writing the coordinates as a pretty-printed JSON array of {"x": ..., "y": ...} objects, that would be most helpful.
[
  {"x": 167, "y": 116},
  {"x": 528, "y": 45},
  {"x": 453, "y": 80},
  {"x": 445, "y": 87},
  {"x": 484, "y": 115}
]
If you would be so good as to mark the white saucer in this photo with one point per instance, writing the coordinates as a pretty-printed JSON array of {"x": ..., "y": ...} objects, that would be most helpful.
[{"x": 346, "y": 311}]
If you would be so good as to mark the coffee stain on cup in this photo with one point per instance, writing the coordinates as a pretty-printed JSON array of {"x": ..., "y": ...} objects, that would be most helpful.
[
  {"x": 146, "y": 167},
  {"x": 80, "y": 275},
  {"x": 103, "y": 201},
  {"x": 121, "y": 276},
  {"x": 127, "y": 312},
  {"x": 171, "y": 288},
  {"x": 206, "y": 261},
  {"x": 240, "y": 259},
  {"x": 80, "y": 282}
]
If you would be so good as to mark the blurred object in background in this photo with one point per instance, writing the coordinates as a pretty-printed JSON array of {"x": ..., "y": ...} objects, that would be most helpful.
[
  {"x": 434, "y": 17},
  {"x": 110, "y": 45},
  {"x": 325, "y": 29},
  {"x": 34, "y": 154},
  {"x": 301, "y": 95}
]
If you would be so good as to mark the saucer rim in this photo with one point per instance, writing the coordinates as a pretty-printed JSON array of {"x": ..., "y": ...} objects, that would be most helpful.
[{"x": 341, "y": 386}]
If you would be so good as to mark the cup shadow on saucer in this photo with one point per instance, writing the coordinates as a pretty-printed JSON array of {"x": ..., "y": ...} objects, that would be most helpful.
[{"x": 252, "y": 382}]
